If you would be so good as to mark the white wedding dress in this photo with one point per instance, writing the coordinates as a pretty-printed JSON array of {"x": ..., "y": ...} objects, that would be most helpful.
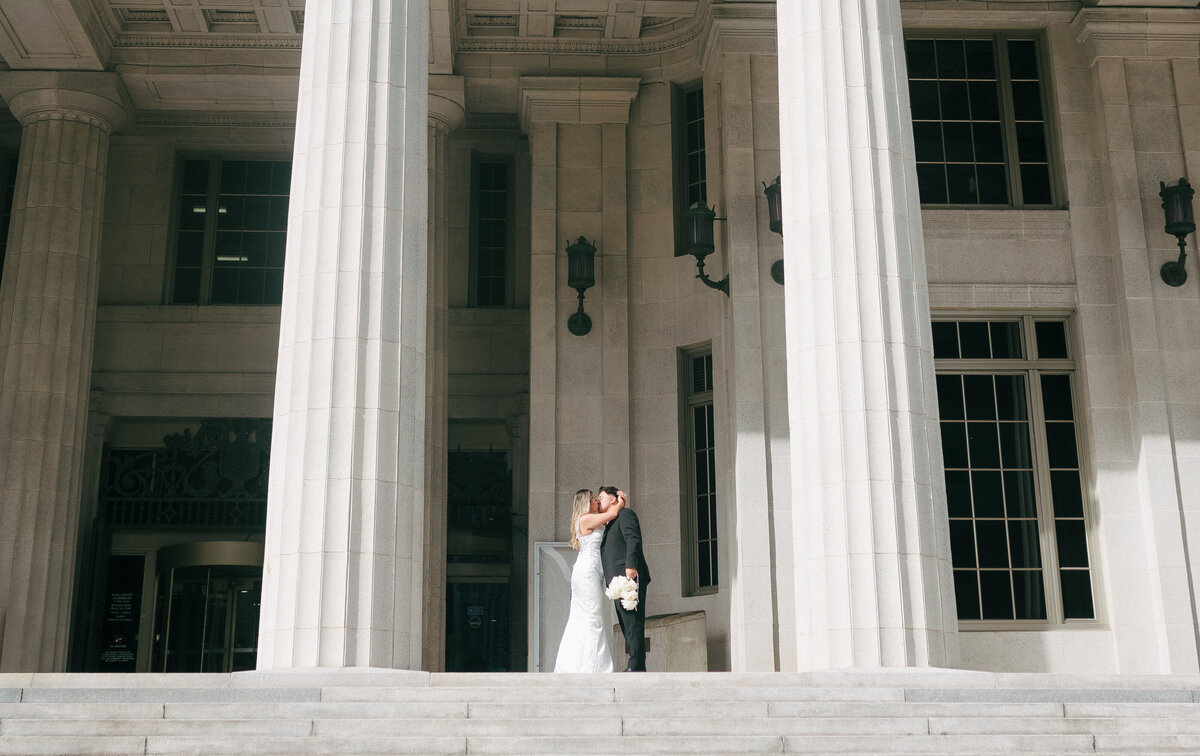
[{"x": 584, "y": 645}]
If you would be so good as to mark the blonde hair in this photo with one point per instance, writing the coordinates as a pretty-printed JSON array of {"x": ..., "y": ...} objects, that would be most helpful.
[{"x": 581, "y": 506}]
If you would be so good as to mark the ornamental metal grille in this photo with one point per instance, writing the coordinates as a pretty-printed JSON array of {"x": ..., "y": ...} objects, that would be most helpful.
[{"x": 215, "y": 477}]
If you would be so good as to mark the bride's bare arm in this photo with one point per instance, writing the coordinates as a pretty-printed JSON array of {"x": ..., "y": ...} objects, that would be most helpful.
[{"x": 590, "y": 522}]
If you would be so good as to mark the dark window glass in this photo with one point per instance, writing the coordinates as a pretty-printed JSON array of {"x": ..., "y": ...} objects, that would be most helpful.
[
  {"x": 1010, "y": 397},
  {"x": 974, "y": 340},
  {"x": 1060, "y": 445},
  {"x": 700, "y": 451},
  {"x": 1023, "y": 543},
  {"x": 1072, "y": 543},
  {"x": 491, "y": 233},
  {"x": 954, "y": 444},
  {"x": 962, "y": 542},
  {"x": 995, "y": 587},
  {"x": 1051, "y": 339},
  {"x": 957, "y": 84},
  {"x": 958, "y": 494},
  {"x": 946, "y": 340},
  {"x": 988, "y": 493},
  {"x": 1056, "y": 397},
  {"x": 228, "y": 235},
  {"x": 979, "y": 396},
  {"x": 1006, "y": 340},
  {"x": 694, "y": 180},
  {"x": 983, "y": 445},
  {"x": 1077, "y": 594},
  {"x": 1029, "y": 595},
  {"x": 1019, "y": 497},
  {"x": 1068, "y": 499},
  {"x": 950, "y": 397},
  {"x": 966, "y": 593},
  {"x": 992, "y": 472}
]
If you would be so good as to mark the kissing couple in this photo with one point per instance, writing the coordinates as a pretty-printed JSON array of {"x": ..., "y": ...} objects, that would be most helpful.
[{"x": 608, "y": 536}]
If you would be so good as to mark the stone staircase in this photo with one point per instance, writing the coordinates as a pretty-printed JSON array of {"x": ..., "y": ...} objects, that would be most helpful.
[{"x": 395, "y": 712}]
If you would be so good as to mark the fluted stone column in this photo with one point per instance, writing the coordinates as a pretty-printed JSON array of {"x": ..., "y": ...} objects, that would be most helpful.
[
  {"x": 447, "y": 112},
  {"x": 871, "y": 543},
  {"x": 343, "y": 576},
  {"x": 47, "y": 327}
]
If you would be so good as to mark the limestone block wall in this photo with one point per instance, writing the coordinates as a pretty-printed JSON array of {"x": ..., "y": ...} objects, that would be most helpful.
[{"x": 1123, "y": 99}]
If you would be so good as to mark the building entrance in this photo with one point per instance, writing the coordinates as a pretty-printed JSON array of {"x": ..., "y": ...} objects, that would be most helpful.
[{"x": 207, "y": 607}]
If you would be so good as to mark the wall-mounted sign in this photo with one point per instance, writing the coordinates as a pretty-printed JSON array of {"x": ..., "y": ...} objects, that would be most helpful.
[{"x": 122, "y": 614}]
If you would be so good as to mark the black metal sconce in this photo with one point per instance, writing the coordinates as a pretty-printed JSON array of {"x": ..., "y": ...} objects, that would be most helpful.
[
  {"x": 698, "y": 242},
  {"x": 775, "y": 211},
  {"x": 581, "y": 276},
  {"x": 1177, "y": 206}
]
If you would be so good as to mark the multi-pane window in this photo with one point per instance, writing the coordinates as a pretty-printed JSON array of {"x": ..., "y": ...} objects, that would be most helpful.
[
  {"x": 693, "y": 146},
  {"x": 979, "y": 120},
  {"x": 492, "y": 233},
  {"x": 700, "y": 482},
  {"x": 1014, "y": 484},
  {"x": 690, "y": 168},
  {"x": 232, "y": 232}
]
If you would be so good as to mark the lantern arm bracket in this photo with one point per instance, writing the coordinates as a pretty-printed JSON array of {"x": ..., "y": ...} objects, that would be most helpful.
[{"x": 722, "y": 285}]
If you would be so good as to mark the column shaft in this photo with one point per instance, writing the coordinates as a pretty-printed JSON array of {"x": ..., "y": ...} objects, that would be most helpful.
[
  {"x": 869, "y": 513},
  {"x": 446, "y": 113},
  {"x": 343, "y": 579},
  {"x": 47, "y": 327}
]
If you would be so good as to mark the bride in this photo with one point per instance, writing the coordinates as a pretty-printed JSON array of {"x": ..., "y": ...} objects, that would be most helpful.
[{"x": 584, "y": 645}]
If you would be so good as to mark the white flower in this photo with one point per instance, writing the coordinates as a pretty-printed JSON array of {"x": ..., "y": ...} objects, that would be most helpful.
[{"x": 625, "y": 590}]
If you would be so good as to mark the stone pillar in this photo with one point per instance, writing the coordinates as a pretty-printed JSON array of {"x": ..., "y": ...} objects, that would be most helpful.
[
  {"x": 1143, "y": 63},
  {"x": 740, "y": 86},
  {"x": 579, "y": 385},
  {"x": 47, "y": 327},
  {"x": 343, "y": 575},
  {"x": 446, "y": 113},
  {"x": 872, "y": 554}
]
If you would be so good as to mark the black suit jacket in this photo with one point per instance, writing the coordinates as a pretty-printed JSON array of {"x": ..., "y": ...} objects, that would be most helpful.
[{"x": 621, "y": 547}]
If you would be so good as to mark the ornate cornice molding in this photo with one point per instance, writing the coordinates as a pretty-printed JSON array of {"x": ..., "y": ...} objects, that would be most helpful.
[
  {"x": 211, "y": 41},
  {"x": 748, "y": 27},
  {"x": 1138, "y": 32},
  {"x": 576, "y": 99},
  {"x": 228, "y": 118}
]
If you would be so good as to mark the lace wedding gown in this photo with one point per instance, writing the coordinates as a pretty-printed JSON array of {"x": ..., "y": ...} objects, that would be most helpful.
[{"x": 584, "y": 645}]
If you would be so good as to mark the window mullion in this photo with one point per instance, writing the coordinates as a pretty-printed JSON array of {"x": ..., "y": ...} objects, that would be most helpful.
[
  {"x": 1045, "y": 509},
  {"x": 211, "y": 209},
  {"x": 1008, "y": 120}
]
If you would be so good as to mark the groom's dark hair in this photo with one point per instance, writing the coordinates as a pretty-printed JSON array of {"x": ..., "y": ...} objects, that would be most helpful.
[{"x": 610, "y": 490}]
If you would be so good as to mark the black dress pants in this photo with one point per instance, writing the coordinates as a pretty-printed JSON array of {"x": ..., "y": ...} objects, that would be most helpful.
[{"x": 633, "y": 627}]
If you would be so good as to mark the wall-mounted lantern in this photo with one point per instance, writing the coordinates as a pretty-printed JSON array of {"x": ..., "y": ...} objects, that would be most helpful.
[
  {"x": 1177, "y": 206},
  {"x": 775, "y": 211},
  {"x": 698, "y": 242},
  {"x": 581, "y": 276}
]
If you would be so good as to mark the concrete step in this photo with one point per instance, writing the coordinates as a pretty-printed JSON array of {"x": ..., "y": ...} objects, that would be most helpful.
[{"x": 386, "y": 712}]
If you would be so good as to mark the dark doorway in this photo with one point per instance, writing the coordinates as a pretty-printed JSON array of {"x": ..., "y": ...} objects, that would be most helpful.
[{"x": 479, "y": 557}]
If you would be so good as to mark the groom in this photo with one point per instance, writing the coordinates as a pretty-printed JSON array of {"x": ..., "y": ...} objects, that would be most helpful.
[{"x": 621, "y": 554}]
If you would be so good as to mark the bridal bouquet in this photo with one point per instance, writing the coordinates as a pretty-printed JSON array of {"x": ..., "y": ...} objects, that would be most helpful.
[{"x": 625, "y": 590}]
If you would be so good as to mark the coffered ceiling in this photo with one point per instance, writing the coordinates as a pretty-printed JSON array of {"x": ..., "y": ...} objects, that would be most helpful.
[
  {"x": 242, "y": 56},
  {"x": 571, "y": 19}
]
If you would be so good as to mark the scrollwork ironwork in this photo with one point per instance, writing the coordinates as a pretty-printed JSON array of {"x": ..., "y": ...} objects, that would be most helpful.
[{"x": 216, "y": 476}]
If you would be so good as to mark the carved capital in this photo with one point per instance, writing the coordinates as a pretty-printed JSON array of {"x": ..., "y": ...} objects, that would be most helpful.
[
  {"x": 97, "y": 98},
  {"x": 576, "y": 99},
  {"x": 447, "y": 102},
  {"x": 1138, "y": 32}
]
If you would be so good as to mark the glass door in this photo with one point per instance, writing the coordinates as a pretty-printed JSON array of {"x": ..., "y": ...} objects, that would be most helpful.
[{"x": 207, "y": 607}]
